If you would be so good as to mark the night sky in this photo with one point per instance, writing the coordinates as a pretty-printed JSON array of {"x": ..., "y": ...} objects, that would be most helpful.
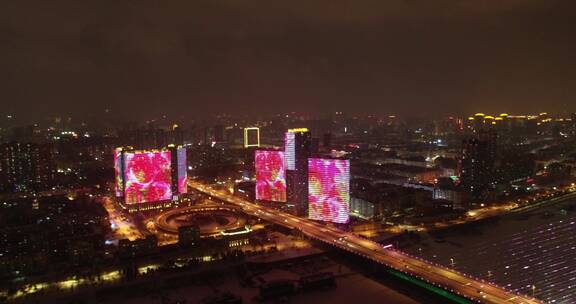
[{"x": 193, "y": 57}]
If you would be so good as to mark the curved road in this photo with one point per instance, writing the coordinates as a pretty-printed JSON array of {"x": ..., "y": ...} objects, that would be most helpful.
[
  {"x": 162, "y": 221},
  {"x": 448, "y": 279}
]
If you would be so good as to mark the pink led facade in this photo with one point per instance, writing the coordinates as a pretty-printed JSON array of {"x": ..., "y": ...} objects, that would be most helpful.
[
  {"x": 182, "y": 173},
  {"x": 270, "y": 176},
  {"x": 329, "y": 190},
  {"x": 147, "y": 176},
  {"x": 118, "y": 173}
]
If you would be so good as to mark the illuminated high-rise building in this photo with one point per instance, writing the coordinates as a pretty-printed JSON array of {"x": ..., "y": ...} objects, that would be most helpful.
[
  {"x": 147, "y": 176},
  {"x": 150, "y": 179},
  {"x": 298, "y": 144},
  {"x": 270, "y": 175},
  {"x": 251, "y": 137},
  {"x": 179, "y": 168},
  {"x": 329, "y": 190},
  {"x": 477, "y": 164}
]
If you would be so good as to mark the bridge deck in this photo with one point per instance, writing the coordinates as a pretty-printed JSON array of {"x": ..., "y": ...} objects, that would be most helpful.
[{"x": 458, "y": 283}]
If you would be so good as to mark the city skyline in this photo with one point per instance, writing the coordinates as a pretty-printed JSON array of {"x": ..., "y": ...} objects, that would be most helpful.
[
  {"x": 352, "y": 151},
  {"x": 395, "y": 195}
]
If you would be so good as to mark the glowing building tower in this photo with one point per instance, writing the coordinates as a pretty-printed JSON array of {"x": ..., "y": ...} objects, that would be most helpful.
[
  {"x": 178, "y": 170},
  {"x": 150, "y": 179},
  {"x": 298, "y": 144},
  {"x": 329, "y": 190},
  {"x": 251, "y": 137},
  {"x": 147, "y": 176},
  {"x": 270, "y": 176}
]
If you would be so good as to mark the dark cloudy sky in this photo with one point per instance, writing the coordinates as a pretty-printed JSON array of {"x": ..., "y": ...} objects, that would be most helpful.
[{"x": 197, "y": 56}]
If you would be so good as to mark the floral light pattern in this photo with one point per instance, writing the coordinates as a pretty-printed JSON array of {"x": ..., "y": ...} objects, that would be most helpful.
[
  {"x": 270, "y": 176},
  {"x": 329, "y": 190},
  {"x": 148, "y": 176}
]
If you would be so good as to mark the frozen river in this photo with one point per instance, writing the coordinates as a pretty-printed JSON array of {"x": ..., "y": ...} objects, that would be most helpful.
[{"x": 532, "y": 252}]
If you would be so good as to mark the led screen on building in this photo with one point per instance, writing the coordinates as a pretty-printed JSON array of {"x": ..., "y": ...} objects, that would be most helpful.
[
  {"x": 147, "y": 176},
  {"x": 290, "y": 148},
  {"x": 329, "y": 190},
  {"x": 182, "y": 174},
  {"x": 270, "y": 176},
  {"x": 118, "y": 173}
]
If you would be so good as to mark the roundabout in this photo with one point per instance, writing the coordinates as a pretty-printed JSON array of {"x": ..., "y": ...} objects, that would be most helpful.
[{"x": 211, "y": 219}]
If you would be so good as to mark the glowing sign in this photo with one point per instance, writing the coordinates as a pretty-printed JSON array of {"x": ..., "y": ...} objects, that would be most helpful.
[
  {"x": 270, "y": 176},
  {"x": 329, "y": 190},
  {"x": 182, "y": 174},
  {"x": 148, "y": 176},
  {"x": 251, "y": 137},
  {"x": 118, "y": 173},
  {"x": 298, "y": 130}
]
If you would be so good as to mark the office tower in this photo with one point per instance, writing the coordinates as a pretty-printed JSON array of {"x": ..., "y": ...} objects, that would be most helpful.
[
  {"x": 150, "y": 176},
  {"x": 178, "y": 168},
  {"x": 147, "y": 176},
  {"x": 329, "y": 190},
  {"x": 298, "y": 144},
  {"x": 26, "y": 167},
  {"x": 270, "y": 175},
  {"x": 477, "y": 164}
]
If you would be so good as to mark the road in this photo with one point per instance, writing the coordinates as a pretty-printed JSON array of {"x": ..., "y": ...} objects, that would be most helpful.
[
  {"x": 165, "y": 221},
  {"x": 473, "y": 289},
  {"x": 568, "y": 196},
  {"x": 122, "y": 227}
]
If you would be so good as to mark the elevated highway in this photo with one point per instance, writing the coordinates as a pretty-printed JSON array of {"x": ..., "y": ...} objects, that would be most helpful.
[{"x": 450, "y": 280}]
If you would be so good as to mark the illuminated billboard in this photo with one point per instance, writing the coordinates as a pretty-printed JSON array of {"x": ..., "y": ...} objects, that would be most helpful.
[
  {"x": 118, "y": 173},
  {"x": 329, "y": 190},
  {"x": 270, "y": 176},
  {"x": 147, "y": 176},
  {"x": 182, "y": 174}
]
